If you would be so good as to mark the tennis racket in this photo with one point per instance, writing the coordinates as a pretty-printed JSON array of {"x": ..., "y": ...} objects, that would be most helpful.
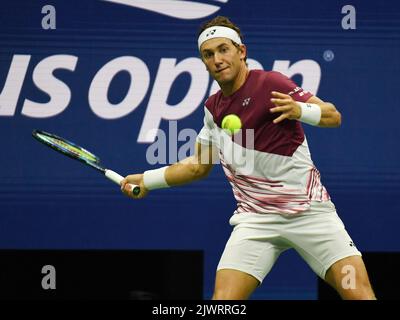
[{"x": 76, "y": 152}]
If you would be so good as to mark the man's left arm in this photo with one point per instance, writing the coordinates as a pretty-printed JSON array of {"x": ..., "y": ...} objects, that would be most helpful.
[
  {"x": 330, "y": 117},
  {"x": 294, "y": 110}
]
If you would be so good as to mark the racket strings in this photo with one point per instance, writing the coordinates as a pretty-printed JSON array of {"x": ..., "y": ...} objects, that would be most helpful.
[{"x": 79, "y": 152}]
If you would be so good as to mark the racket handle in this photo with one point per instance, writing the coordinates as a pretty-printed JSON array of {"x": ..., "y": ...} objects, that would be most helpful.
[{"x": 113, "y": 176}]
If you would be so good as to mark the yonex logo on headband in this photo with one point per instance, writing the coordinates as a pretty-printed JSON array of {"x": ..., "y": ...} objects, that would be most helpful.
[
  {"x": 211, "y": 32},
  {"x": 218, "y": 32}
]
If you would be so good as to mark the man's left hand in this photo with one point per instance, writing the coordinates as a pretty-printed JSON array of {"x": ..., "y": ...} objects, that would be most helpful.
[{"x": 285, "y": 104}]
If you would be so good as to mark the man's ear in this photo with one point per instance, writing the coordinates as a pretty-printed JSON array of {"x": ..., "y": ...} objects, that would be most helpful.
[{"x": 243, "y": 51}]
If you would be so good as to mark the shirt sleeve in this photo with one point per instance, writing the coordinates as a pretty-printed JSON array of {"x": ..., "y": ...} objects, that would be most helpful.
[
  {"x": 205, "y": 135},
  {"x": 286, "y": 85}
]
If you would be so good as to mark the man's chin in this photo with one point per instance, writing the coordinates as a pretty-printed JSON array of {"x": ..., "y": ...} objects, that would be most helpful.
[{"x": 220, "y": 78}]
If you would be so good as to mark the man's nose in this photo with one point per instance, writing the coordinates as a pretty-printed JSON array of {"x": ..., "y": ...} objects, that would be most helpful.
[{"x": 217, "y": 58}]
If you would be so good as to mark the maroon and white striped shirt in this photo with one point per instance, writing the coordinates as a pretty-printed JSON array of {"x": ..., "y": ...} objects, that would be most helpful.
[{"x": 268, "y": 165}]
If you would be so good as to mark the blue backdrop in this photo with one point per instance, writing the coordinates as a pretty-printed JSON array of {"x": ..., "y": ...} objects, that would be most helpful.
[{"x": 104, "y": 74}]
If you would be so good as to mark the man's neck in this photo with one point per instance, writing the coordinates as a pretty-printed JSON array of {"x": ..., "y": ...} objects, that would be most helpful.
[{"x": 230, "y": 88}]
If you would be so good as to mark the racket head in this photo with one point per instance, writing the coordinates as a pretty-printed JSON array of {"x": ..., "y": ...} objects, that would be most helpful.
[{"x": 67, "y": 148}]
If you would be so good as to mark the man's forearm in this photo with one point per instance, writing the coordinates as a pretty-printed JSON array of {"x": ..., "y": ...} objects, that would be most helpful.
[
  {"x": 330, "y": 117},
  {"x": 185, "y": 171}
]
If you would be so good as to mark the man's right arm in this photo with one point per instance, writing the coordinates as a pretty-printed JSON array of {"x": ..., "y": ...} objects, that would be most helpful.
[
  {"x": 188, "y": 170},
  {"x": 192, "y": 168}
]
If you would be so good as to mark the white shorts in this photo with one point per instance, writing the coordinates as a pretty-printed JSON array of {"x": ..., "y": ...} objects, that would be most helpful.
[{"x": 257, "y": 240}]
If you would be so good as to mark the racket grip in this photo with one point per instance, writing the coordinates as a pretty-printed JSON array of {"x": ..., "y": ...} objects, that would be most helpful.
[{"x": 113, "y": 176}]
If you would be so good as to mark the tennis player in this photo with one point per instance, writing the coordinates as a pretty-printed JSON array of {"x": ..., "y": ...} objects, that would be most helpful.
[{"x": 281, "y": 202}]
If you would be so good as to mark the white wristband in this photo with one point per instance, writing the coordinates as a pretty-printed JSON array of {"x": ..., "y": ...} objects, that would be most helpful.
[
  {"x": 310, "y": 113},
  {"x": 155, "y": 179}
]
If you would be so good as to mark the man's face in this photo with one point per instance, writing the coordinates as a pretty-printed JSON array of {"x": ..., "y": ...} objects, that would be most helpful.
[{"x": 222, "y": 59}]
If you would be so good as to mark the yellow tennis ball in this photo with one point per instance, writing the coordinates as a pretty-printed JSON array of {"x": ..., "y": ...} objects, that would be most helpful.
[{"x": 231, "y": 123}]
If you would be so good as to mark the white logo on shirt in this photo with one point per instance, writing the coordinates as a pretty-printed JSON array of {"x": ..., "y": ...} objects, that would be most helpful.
[{"x": 246, "y": 102}]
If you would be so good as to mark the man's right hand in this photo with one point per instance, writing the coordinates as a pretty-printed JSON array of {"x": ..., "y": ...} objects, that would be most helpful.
[{"x": 136, "y": 179}]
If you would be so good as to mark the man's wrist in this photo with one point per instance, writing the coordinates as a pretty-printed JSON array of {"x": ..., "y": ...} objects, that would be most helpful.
[
  {"x": 310, "y": 113},
  {"x": 155, "y": 179}
]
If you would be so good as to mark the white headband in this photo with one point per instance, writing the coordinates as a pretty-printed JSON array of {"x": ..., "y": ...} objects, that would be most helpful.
[{"x": 218, "y": 32}]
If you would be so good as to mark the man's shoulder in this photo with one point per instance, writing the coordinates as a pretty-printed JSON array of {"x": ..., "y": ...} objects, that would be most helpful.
[
  {"x": 268, "y": 75},
  {"x": 211, "y": 100}
]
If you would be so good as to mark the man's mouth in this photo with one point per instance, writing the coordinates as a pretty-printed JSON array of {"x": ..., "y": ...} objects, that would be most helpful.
[{"x": 218, "y": 71}]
